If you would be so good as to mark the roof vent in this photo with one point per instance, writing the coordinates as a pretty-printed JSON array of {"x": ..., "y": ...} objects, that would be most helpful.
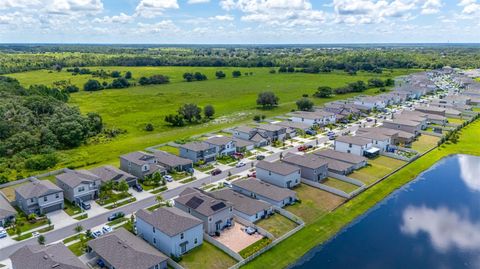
[{"x": 55, "y": 265}]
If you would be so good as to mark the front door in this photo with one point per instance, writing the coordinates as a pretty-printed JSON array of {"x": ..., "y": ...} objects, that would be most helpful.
[
  {"x": 183, "y": 247},
  {"x": 289, "y": 183},
  {"x": 218, "y": 225}
]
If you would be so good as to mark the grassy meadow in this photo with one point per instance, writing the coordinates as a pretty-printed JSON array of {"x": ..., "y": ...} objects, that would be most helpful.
[{"x": 233, "y": 98}]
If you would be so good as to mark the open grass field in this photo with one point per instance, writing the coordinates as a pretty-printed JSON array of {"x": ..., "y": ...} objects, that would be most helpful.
[
  {"x": 340, "y": 185},
  {"x": 424, "y": 143},
  {"x": 206, "y": 256},
  {"x": 315, "y": 203},
  {"x": 277, "y": 225},
  {"x": 9, "y": 192},
  {"x": 233, "y": 98},
  {"x": 377, "y": 168},
  {"x": 323, "y": 228}
]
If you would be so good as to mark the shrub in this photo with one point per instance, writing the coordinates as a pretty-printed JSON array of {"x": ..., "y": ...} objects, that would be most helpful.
[{"x": 149, "y": 127}]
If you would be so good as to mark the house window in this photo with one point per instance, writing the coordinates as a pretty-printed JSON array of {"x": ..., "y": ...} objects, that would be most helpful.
[
  {"x": 157, "y": 267},
  {"x": 348, "y": 151},
  {"x": 154, "y": 240},
  {"x": 231, "y": 209},
  {"x": 153, "y": 228},
  {"x": 182, "y": 236},
  {"x": 349, "y": 145},
  {"x": 195, "y": 241},
  {"x": 256, "y": 215},
  {"x": 269, "y": 173},
  {"x": 209, "y": 219},
  {"x": 31, "y": 200},
  {"x": 189, "y": 211},
  {"x": 81, "y": 189},
  {"x": 57, "y": 195},
  {"x": 45, "y": 198}
]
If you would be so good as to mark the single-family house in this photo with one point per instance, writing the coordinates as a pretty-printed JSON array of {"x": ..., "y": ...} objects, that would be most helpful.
[
  {"x": 273, "y": 132},
  {"x": 431, "y": 110},
  {"x": 379, "y": 140},
  {"x": 214, "y": 213},
  {"x": 223, "y": 145},
  {"x": 311, "y": 167},
  {"x": 121, "y": 249},
  {"x": 108, "y": 173},
  {"x": 278, "y": 173},
  {"x": 396, "y": 136},
  {"x": 355, "y": 160},
  {"x": 198, "y": 151},
  {"x": 413, "y": 117},
  {"x": 244, "y": 132},
  {"x": 172, "y": 162},
  {"x": 408, "y": 126},
  {"x": 243, "y": 145},
  {"x": 353, "y": 144},
  {"x": 79, "y": 185},
  {"x": 371, "y": 102},
  {"x": 244, "y": 207},
  {"x": 7, "y": 212},
  {"x": 450, "y": 112},
  {"x": 39, "y": 197},
  {"x": 260, "y": 139},
  {"x": 431, "y": 118},
  {"x": 141, "y": 164},
  {"x": 55, "y": 256},
  {"x": 269, "y": 193},
  {"x": 170, "y": 230},
  {"x": 294, "y": 127},
  {"x": 317, "y": 118}
]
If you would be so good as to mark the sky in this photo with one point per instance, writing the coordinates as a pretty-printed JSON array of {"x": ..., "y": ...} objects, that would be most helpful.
[{"x": 239, "y": 21}]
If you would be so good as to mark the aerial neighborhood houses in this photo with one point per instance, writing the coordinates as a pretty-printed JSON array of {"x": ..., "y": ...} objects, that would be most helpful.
[
  {"x": 39, "y": 197},
  {"x": 7, "y": 212},
  {"x": 79, "y": 185},
  {"x": 267, "y": 192},
  {"x": 43, "y": 257},
  {"x": 314, "y": 118},
  {"x": 199, "y": 151},
  {"x": 173, "y": 162},
  {"x": 311, "y": 167},
  {"x": 108, "y": 173},
  {"x": 141, "y": 164},
  {"x": 278, "y": 173}
]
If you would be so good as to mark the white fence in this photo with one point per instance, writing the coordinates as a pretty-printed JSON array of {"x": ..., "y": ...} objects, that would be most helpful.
[
  {"x": 173, "y": 264},
  {"x": 260, "y": 230},
  {"x": 346, "y": 179},
  {"x": 326, "y": 188}
]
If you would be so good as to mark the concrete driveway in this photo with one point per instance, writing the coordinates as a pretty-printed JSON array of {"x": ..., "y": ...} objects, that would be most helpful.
[{"x": 60, "y": 219}]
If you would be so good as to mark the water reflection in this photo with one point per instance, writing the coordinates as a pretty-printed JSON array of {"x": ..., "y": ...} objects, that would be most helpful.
[
  {"x": 446, "y": 229},
  {"x": 470, "y": 171}
]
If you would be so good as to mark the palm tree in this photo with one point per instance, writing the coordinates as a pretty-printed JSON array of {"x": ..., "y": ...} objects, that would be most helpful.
[{"x": 78, "y": 228}]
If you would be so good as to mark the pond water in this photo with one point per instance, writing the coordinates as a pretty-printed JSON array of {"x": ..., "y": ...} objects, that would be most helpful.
[{"x": 433, "y": 222}]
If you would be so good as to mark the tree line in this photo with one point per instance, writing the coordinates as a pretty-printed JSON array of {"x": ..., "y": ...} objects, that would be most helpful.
[
  {"x": 190, "y": 113},
  {"x": 358, "y": 86}
]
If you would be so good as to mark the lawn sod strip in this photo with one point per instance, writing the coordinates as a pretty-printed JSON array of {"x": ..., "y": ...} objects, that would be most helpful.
[{"x": 321, "y": 229}]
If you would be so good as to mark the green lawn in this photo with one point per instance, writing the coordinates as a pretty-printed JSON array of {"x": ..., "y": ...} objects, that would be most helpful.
[
  {"x": 340, "y": 185},
  {"x": 83, "y": 216},
  {"x": 455, "y": 121},
  {"x": 73, "y": 238},
  {"x": 277, "y": 225},
  {"x": 206, "y": 256},
  {"x": 255, "y": 247},
  {"x": 26, "y": 226},
  {"x": 78, "y": 248},
  {"x": 170, "y": 149},
  {"x": 314, "y": 203},
  {"x": 424, "y": 143},
  {"x": 376, "y": 169},
  {"x": 71, "y": 209},
  {"x": 128, "y": 201},
  {"x": 113, "y": 198},
  {"x": 131, "y": 109},
  {"x": 322, "y": 229}
]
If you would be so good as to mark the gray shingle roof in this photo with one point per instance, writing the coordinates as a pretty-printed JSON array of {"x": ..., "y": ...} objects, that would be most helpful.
[
  {"x": 337, "y": 165},
  {"x": 270, "y": 127},
  {"x": 56, "y": 256},
  {"x": 307, "y": 160},
  {"x": 219, "y": 140},
  {"x": 264, "y": 189},
  {"x": 342, "y": 156},
  {"x": 73, "y": 178},
  {"x": 278, "y": 167},
  {"x": 169, "y": 220},
  {"x": 294, "y": 125},
  {"x": 108, "y": 172},
  {"x": 6, "y": 209},
  {"x": 373, "y": 136},
  {"x": 242, "y": 203},
  {"x": 242, "y": 143},
  {"x": 138, "y": 157},
  {"x": 244, "y": 129},
  {"x": 355, "y": 140},
  {"x": 196, "y": 146},
  {"x": 201, "y": 202},
  {"x": 123, "y": 250},
  {"x": 171, "y": 159},
  {"x": 403, "y": 122},
  {"x": 37, "y": 188}
]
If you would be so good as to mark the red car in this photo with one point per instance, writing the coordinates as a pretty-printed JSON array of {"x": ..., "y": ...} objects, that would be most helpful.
[
  {"x": 238, "y": 155},
  {"x": 216, "y": 172},
  {"x": 302, "y": 148},
  {"x": 254, "y": 174}
]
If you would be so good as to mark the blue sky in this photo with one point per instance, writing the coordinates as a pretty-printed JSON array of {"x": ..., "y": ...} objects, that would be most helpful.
[{"x": 239, "y": 21}]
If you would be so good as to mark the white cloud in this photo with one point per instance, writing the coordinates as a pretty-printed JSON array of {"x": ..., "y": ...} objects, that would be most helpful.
[
  {"x": 222, "y": 18},
  {"x": 66, "y": 7},
  {"x": 446, "y": 229},
  {"x": 469, "y": 172},
  {"x": 121, "y": 18},
  {"x": 153, "y": 8},
  {"x": 198, "y": 1},
  {"x": 159, "y": 27},
  {"x": 470, "y": 7},
  {"x": 431, "y": 7}
]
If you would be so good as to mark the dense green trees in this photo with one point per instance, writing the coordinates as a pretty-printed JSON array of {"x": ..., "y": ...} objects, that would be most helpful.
[
  {"x": 35, "y": 122},
  {"x": 190, "y": 113},
  {"x": 323, "y": 92},
  {"x": 155, "y": 79},
  {"x": 236, "y": 74},
  {"x": 305, "y": 104},
  {"x": 208, "y": 111},
  {"x": 92, "y": 85},
  {"x": 220, "y": 74}
]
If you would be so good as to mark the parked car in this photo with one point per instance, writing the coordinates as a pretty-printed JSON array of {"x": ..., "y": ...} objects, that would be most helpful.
[
  {"x": 260, "y": 157},
  {"x": 330, "y": 133},
  {"x": 302, "y": 148},
  {"x": 215, "y": 172},
  {"x": 238, "y": 155},
  {"x": 369, "y": 119},
  {"x": 107, "y": 229},
  {"x": 190, "y": 170},
  {"x": 96, "y": 234},
  {"x": 331, "y": 137},
  {"x": 138, "y": 188},
  {"x": 310, "y": 132},
  {"x": 85, "y": 205},
  {"x": 309, "y": 146},
  {"x": 35, "y": 234},
  {"x": 250, "y": 230},
  {"x": 116, "y": 215},
  {"x": 168, "y": 178},
  {"x": 254, "y": 174},
  {"x": 240, "y": 164},
  {"x": 101, "y": 263},
  {"x": 227, "y": 184},
  {"x": 3, "y": 232}
]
